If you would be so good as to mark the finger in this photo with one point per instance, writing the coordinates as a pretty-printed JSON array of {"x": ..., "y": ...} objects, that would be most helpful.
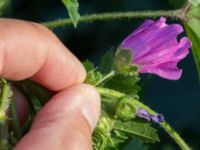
[
  {"x": 30, "y": 50},
  {"x": 65, "y": 122}
]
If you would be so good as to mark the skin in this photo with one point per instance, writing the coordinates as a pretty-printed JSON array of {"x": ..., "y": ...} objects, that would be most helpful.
[{"x": 29, "y": 50}]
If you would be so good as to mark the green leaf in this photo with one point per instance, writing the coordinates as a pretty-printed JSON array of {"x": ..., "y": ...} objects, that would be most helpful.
[
  {"x": 193, "y": 31},
  {"x": 106, "y": 62},
  {"x": 93, "y": 75},
  {"x": 195, "y": 45},
  {"x": 88, "y": 65},
  {"x": 122, "y": 60},
  {"x": 193, "y": 19},
  {"x": 127, "y": 73},
  {"x": 72, "y": 7},
  {"x": 125, "y": 83},
  {"x": 135, "y": 144},
  {"x": 109, "y": 133},
  {"x": 138, "y": 128},
  {"x": 195, "y": 2},
  {"x": 102, "y": 134}
]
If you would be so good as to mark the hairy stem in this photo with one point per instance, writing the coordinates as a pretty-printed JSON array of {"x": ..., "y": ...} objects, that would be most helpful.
[
  {"x": 4, "y": 102},
  {"x": 109, "y": 75},
  {"x": 113, "y": 16},
  {"x": 175, "y": 136}
]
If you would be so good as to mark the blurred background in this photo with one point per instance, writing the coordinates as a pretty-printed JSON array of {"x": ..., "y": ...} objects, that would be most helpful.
[{"x": 179, "y": 101}]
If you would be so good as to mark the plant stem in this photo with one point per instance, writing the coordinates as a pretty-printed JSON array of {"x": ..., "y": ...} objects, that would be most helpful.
[
  {"x": 175, "y": 136},
  {"x": 109, "y": 75},
  {"x": 113, "y": 16},
  {"x": 4, "y": 102}
]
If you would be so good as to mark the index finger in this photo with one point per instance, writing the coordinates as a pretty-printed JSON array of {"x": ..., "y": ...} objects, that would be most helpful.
[{"x": 29, "y": 50}]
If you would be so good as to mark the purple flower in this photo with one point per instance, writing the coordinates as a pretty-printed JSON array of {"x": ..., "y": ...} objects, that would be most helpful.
[
  {"x": 141, "y": 113},
  {"x": 157, "y": 118},
  {"x": 155, "y": 48}
]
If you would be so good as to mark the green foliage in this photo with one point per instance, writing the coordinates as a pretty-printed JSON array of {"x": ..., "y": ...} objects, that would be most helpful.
[
  {"x": 88, "y": 65},
  {"x": 195, "y": 2},
  {"x": 193, "y": 31},
  {"x": 122, "y": 60},
  {"x": 106, "y": 63},
  {"x": 126, "y": 109},
  {"x": 193, "y": 19},
  {"x": 126, "y": 75},
  {"x": 195, "y": 46},
  {"x": 111, "y": 132},
  {"x": 125, "y": 83},
  {"x": 135, "y": 144},
  {"x": 93, "y": 75},
  {"x": 118, "y": 122},
  {"x": 72, "y": 7},
  {"x": 137, "y": 128}
]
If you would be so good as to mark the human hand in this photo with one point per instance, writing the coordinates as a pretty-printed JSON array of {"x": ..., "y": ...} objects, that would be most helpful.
[{"x": 28, "y": 50}]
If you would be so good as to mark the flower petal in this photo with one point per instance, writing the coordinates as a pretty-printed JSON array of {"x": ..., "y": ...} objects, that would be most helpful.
[
  {"x": 167, "y": 67},
  {"x": 150, "y": 41},
  {"x": 157, "y": 42},
  {"x": 171, "y": 52},
  {"x": 183, "y": 49},
  {"x": 141, "y": 113},
  {"x": 157, "y": 118},
  {"x": 166, "y": 70},
  {"x": 148, "y": 25}
]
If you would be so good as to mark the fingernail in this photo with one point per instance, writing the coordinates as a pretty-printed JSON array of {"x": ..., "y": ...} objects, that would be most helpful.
[{"x": 91, "y": 107}]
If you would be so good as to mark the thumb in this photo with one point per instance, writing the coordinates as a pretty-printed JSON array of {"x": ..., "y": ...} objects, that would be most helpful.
[{"x": 65, "y": 122}]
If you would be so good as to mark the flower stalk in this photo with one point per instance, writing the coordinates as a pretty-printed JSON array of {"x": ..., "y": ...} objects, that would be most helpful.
[
  {"x": 175, "y": 136},
  {"x": 174, "y": 14}
]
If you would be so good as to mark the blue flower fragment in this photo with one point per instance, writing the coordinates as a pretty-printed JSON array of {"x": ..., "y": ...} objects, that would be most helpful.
[
  {"x": 141, "y": 113},
  {"x": 157, "y": 118}
]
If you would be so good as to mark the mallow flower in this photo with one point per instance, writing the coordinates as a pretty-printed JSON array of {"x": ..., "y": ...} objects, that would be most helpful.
[{"x": 155, "y": 48}]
